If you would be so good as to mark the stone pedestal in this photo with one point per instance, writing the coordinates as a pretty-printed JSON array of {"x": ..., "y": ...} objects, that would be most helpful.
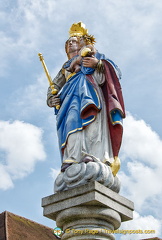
[{"x": 91, "y": 211}]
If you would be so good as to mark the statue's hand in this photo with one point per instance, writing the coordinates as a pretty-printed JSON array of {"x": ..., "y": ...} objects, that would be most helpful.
[
  {"x": 54, "y": 101},
  {"x": 90, "y": 62}
]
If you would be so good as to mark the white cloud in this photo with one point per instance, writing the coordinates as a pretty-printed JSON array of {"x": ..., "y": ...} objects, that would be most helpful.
[
  {"x": 141, "y": 154},
  {"x": 54, "y": 173},
  {"x": 5, "y": 178},
  {"x": 141, "y": 184},
  {"x": 22, "y": 146},
  {"x": 140, "y": 142},
  {"x": 142, "y": 223}
]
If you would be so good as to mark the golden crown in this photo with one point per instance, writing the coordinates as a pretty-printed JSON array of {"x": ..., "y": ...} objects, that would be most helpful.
[{"x": 78, "y": 30}]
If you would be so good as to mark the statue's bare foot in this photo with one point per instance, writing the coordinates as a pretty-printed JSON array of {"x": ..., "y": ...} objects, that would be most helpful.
[
  {"x": 87, "y": 159},
  {"x": 64, "y": 166}
]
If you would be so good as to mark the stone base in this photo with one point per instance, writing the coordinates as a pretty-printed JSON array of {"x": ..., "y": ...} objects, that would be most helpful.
[{"x": 91, "y": 211}]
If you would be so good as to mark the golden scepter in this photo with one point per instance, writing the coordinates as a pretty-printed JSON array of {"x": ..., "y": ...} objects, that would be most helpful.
[{"x": 54, "y": 91}]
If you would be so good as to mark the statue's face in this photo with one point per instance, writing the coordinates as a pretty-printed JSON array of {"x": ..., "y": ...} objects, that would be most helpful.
[
  {"x": 82, "y": 42},
  {"x": 72, "y": 45}
]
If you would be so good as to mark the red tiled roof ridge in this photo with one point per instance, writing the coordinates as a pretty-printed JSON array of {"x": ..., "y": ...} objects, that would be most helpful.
[
  {"x": 6, "y": 225},
  {"x": 7, "y": 212}
]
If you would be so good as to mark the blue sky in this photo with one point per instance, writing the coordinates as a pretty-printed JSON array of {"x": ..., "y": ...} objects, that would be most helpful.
[{"x": 129, "y": 33}]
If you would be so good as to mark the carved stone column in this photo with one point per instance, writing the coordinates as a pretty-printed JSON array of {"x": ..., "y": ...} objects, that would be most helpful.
[{"x": 90, "y": 211}]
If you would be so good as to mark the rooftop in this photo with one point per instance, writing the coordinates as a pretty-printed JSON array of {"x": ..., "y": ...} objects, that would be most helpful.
[{"x": 14, "y": 227}]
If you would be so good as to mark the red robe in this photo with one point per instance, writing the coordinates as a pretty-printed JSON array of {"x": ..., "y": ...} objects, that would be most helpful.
[{"x": 114, "y": 101}]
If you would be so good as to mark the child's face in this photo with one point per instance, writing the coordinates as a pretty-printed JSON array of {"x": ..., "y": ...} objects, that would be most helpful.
[{"x": 82, "y": 42}]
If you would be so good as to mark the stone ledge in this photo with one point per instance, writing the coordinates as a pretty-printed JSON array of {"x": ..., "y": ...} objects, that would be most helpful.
[{"x": 93, "y": 194}]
